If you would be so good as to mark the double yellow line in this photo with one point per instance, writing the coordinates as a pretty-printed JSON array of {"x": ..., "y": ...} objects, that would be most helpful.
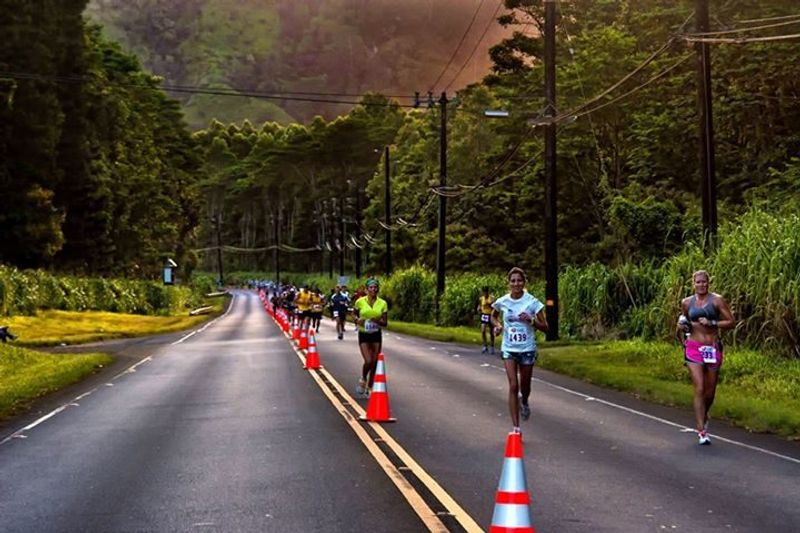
[{"x": 429, "y": 517}]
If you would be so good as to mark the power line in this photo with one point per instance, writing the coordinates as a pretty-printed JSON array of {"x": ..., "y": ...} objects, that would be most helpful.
[
  {"x": 458, "y": 47},
  {"x": 743, "y": 30},
  {"x": 192, "y": 90},
  {"x": 475, "y": 48},
  {"x": 579, "y": 113},
  {"x": 740, "y": 40},
  {"x": 768, "y": 19}
]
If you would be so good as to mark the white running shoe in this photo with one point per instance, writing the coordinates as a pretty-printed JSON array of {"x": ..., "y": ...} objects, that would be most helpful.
[
  {"x": 702, "y": 439},
  {"x": 361, "y": 388}
]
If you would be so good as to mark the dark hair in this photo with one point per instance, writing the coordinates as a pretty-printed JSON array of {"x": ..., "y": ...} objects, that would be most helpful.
[
  {"x": 517, "y": 270},
  {"x": 484, "y": 289}
]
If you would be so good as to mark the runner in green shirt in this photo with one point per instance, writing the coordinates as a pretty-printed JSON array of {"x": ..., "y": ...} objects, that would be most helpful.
[{"x": 371, "y": 314}]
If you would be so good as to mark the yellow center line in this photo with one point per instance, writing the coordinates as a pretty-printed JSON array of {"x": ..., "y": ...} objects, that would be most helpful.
[
  {"x": 439, "y": 493},
  {"x": 425, "y": 513}
]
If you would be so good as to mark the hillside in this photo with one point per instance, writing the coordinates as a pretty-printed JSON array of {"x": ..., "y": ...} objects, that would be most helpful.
[{"x": 344, "y": 47}]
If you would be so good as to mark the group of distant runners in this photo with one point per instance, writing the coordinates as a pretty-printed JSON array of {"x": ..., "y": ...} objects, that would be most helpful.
[{"x": 515, "y": 317}]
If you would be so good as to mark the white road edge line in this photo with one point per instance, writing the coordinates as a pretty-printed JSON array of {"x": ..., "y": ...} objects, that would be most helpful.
[
  {"x": 200, "y": 330},
  {"x": 129, "y": 370},
  {"x": 681, "y": 427},
  {"x": 668, "y": 422}
]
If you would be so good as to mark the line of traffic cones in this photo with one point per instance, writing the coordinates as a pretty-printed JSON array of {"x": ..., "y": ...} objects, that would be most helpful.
[
  {"x": 512, "y": 512},
  {"x": 512, "y": 502}
]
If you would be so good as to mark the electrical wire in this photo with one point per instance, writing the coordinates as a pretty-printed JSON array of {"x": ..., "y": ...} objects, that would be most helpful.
[
  {"x": 508, "y": 176},
  {"x": 194, "y": 90},
  {"x": 475, "y": 48},
  {"x": 458, "y": 47},
  {"x": 740, "y": 40},
  {"x": 743, "y": 30},
  {"x": 768, "y": 19},
  {"x": 571, "y": 115}
]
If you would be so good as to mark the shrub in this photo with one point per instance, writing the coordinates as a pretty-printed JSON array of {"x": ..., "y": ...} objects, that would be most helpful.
[{"x": 412, "y": 294}]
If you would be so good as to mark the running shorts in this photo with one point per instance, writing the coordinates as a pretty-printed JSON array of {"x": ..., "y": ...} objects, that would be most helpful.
[
  {"x": 697, "y": 353},
  {"x": 369, "y": 337},
  {"x": 521, "y": 358}
]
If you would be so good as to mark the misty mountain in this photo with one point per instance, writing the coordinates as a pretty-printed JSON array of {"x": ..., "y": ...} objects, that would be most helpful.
[{"x": 342, "y": 47}]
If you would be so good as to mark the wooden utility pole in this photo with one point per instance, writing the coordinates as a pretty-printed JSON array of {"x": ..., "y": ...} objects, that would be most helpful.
[
  {"x": 441, "y": 243},
  {"x": 708, "y": 177},
  {"x": 551, "y": 182},
  {"x": 387, "y": 197}
]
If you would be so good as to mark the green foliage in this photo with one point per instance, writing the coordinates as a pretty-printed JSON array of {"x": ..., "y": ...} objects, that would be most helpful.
[
  {"x": 29, "y": 374},
  {"x": 412, "y": 294},
  {"x": 24, "y": 292},
  {"x": 755, "y": 267},
  {"x": 460, "y": 298},
  {"x": 96, "y": 166}
]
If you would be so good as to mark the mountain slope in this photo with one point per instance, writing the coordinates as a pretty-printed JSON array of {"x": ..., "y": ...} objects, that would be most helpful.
[{"x": 321, "y": 46}]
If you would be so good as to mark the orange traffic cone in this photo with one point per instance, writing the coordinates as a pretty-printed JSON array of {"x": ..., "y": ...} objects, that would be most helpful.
[
  {"x": 512, "y": 504},
  {"x": 312, "y": 357},
  {"x": 302, "y": 342},
  {"x": 378, "y": 406},
  {"x": 296, "y": 333}
]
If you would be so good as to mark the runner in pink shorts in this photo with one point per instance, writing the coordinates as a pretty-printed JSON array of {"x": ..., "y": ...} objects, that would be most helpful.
[{"x": 704, "y": 315}]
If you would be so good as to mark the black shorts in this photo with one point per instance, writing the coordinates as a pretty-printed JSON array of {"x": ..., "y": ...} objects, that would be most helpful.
[
  {"x": 486, "y": 319},
  {"x": 339, "y": 313},
  {"x": 370, "y": 337}
]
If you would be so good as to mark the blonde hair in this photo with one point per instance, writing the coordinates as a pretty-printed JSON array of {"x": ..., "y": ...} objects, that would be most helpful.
[
  {"x": 701, "y": 272},
  {"x": 517, "y": 270}
]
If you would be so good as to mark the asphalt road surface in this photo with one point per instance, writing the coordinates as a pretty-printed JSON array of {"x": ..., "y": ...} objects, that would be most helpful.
[{"x": 223, "y": 430}]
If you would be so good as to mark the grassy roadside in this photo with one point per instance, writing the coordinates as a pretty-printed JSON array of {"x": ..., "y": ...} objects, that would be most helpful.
[
  {"x": 49, "y": 328},
  {"x": 27, "y": 374},
  {"x": 756, "y": 391}
]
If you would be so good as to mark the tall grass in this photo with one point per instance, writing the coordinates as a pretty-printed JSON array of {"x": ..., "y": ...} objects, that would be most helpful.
[
  {"x": 756, "y": 267},
  {"x": 23, "y": 292}
]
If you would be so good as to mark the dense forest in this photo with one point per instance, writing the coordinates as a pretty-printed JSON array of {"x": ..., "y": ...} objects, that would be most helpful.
[
  {"x": 97, "y": 167},
  {"x": 100, "y": 173},
  {"x": 344, "y": 47},
  {"x": 629, "y": 184}
]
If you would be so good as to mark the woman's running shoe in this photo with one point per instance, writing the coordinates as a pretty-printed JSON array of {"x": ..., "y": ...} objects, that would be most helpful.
[
  {"x": 361, "y": 388},
  {"x": 525, "y": 411},
  {"x": 702, "y": 438}
]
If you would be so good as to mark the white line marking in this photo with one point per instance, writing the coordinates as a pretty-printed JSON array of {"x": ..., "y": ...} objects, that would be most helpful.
[
  {"x": 667, "y": 422},
  {"x": 74, "y": 403},
  {"x": 223, "y": 315}
]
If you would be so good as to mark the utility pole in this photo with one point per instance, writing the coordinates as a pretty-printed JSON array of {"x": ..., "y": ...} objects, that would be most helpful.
[
  {"x": 358, "y": 232},
  {"x": 440, "y": 248},
  {"x": 276, "y": 238},
  {"x": 551, "y": 182},
  {"x": 387, "y": 197},
  {"x": 342, "y": 237},
  {"x": 218, "y": 223},
  {"x": 704, "y": 101}
]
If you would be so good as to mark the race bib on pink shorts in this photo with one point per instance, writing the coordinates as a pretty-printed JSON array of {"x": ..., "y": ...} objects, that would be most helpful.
[{"x": 703, "y": 354}]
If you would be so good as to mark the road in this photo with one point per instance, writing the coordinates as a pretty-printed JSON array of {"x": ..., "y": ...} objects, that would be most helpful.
[{"x": 223, "y": 430}]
